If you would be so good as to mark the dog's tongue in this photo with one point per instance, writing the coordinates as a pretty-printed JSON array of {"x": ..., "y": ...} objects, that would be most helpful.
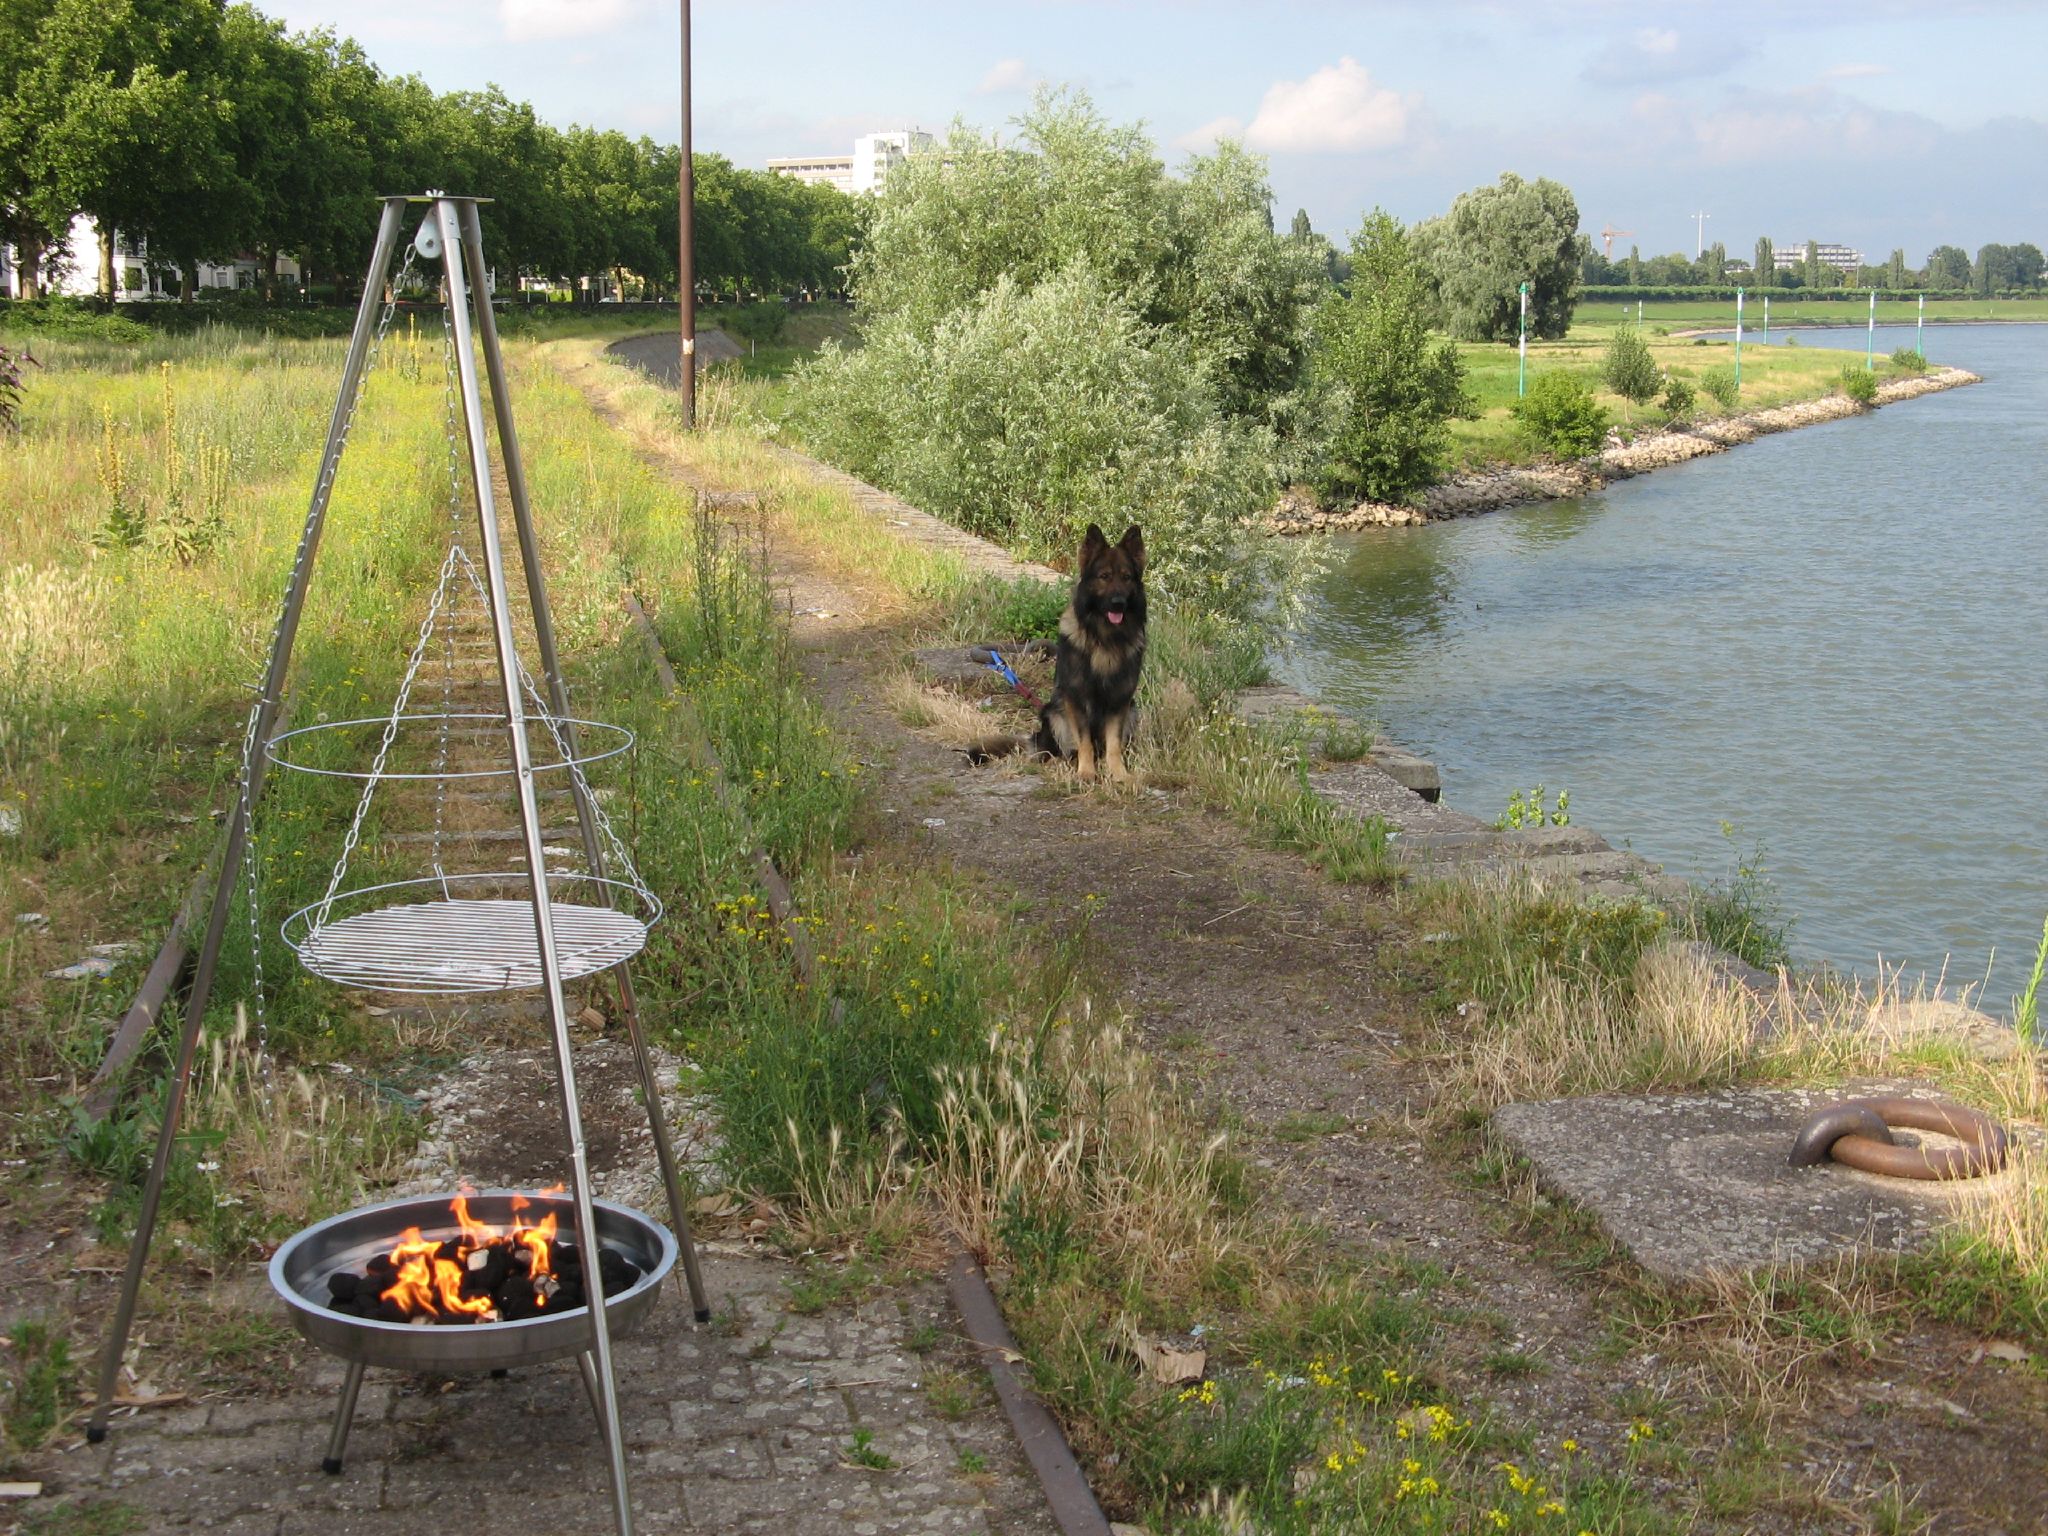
[{"x": 1115, "y": 617}]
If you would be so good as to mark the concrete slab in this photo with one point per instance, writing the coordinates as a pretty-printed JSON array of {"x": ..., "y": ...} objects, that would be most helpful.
[{"x": 1694, "y": 1183}]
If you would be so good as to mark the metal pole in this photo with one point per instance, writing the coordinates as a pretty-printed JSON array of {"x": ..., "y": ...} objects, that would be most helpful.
[
  {"x": 686, "y": 246},
  {"x": 558, "y": 699},
  {"x": 1767, "y": 319},
  {"x": 446, "y": 215},
  {"x": 1870, "y": 336},
  {"x": 238, "y": 828},
  {"x": 344, "y": 1416},
  {"x": 1920, "y": 330},
  {"x": 1522, "y": 369},
  {"x": 1738, "y": 339}
]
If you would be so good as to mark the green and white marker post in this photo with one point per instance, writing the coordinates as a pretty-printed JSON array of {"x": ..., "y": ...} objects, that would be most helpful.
[
  {"x": 1738, "y": 339},
  {"x": 1522, "y": 369},
  {"x": 1870, "y": 336},
  {"x": 1920, "y": 330},
  {"x": 1767, "y": 319}
]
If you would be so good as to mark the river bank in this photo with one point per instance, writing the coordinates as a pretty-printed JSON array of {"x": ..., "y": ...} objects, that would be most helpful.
[{"x": 1493, "y": 489}]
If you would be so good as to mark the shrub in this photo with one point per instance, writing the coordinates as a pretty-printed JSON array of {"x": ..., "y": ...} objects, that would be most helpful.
[
  {"x": 1909, "y": 360},
  {"x": 1720, "y": 383},
  {"x": 1628, "y": 369},
  {"x": 1860, "y": 386},
  {"x": 1399, "y": 387},
  {"x": 1030, "y": 414},
  {"x": 11, "y": 388},
  {"x": 1678, "y": 398},
  {"x": 761, "y": 323},
  {"x": 1560, "y": 414}
]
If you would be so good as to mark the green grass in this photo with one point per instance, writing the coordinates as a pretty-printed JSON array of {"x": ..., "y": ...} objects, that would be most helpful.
[{"x": 1770, "y": 376}]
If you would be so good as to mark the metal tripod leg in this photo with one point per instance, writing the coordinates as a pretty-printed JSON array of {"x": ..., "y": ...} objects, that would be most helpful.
[
  {"x": 449, "y": 223},
  {"x": 344, "y": 1416},
  {"x": 587, "y": 1369},
  {"x": 664, "y": 1150},
  {"x": 558, "y": 699},
  {"x": 238, "y": 828}
]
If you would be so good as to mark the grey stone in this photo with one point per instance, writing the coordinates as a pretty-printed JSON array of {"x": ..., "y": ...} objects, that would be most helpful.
[{"x": 1696, "y": 1183}]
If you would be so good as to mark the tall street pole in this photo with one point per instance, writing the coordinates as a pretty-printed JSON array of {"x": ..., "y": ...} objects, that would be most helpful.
[
  {"x": 1522, "y": 369},
  {"x": 686, "y": 248},
  {"x": 1738, "y": 338}
]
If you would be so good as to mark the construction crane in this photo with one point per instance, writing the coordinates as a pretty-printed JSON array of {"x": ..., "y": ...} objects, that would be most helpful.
[{"x": 1607, "y": 238}]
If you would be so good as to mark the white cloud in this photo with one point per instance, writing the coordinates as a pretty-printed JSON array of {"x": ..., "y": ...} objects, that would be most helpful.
[
  {"x": 1338, "y": 108},
  {"x": 1007, "y": 75},
  {"x": 528, "y": 21},
  {"x": 1857, "y": 71}
]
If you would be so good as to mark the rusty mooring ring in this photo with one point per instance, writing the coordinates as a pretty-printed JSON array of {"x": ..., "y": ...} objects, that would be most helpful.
[{"x": 1858, "y": 1134}]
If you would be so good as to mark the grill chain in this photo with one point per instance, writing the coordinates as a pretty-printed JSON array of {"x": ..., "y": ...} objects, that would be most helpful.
[{"x": 252, "y": 851}]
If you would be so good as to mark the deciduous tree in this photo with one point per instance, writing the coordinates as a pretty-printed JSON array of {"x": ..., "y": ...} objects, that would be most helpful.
[
  {"x": 1396, "y": 386},
  {"x": 1493, "y": 240}
]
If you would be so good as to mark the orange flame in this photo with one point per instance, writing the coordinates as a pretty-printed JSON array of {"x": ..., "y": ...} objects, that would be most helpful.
[{"x": 430, "y": 1285}]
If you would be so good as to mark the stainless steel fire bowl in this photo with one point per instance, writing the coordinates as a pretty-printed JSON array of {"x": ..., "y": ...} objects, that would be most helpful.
[{"x": 299, "y": 1271}]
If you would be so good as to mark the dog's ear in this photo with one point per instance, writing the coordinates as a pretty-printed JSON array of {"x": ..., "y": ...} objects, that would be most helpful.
[
  {"x": 1133, "y": 545},
  {"x": 1093, "y": 544}
]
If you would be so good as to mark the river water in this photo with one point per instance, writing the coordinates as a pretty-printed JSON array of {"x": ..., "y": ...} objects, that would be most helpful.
[{"x": 1834, "y": 640}]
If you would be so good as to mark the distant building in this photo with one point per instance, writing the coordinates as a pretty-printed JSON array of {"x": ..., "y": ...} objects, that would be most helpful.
[
  {"x": 77, "y": 272},
  {"x": 1790, "y": 255},
  {"x": 865, "y": 170},
  {"x": 816, "y": 170}
]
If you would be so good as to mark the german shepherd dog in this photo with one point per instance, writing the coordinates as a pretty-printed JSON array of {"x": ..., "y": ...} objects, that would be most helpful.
[{"x": 1101, "y": 650}]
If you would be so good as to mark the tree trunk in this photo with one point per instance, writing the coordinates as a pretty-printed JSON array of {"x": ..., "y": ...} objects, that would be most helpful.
[
  {"x": 188, "y": 281},
  {"x": 28, "y": 258},
  {"x": 106, "y": 261},
  {"x": 269, "y": 254}
]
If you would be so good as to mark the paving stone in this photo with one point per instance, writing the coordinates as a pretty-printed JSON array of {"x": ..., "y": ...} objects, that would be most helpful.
[{"x": 725, "y": 1431}]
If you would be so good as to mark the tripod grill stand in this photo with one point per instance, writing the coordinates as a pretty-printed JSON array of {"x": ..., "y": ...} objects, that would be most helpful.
[{"x": 525, "y": 950}]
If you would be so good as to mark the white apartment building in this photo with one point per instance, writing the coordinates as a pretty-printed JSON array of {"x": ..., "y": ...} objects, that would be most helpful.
[
  {"x": 135, "y": 278},
  {"x": 1792, "y": 254},
  {"x": 815, "y": 170},
  {"x": 866, "y": 169}
]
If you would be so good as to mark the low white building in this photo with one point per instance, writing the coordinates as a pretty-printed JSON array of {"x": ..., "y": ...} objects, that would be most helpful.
[
  {"x": 1792, "y": 255},
  {"x": 816, "y": 170},
  {"x": 865, "y": 170},
  {"x": 77, "y": 271}
]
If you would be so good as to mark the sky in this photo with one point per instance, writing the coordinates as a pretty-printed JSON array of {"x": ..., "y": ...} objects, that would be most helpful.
[{"x": 1878, "y": 124}]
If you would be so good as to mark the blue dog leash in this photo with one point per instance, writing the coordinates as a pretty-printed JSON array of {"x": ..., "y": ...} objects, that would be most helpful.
[{"x": 1003, "y": 670}]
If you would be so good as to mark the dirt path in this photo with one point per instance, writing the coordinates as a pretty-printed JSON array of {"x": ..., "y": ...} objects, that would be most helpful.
[{"x": 1278, "y": 1001}]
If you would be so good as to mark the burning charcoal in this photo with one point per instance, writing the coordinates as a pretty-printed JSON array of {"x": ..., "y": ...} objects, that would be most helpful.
[
  {"x": 613, "y": 1269},
  {"x": 381, "y": 1268},
  {"x": 390, "y": 1312},
  {"x": 547, "y": 1287},
  {"x": 452, "y": 1250},
  {"x": 518, "y": 1305},
  {"x": 568, "y": 1297},
  {"x": 341, "y": 1285},
  {"x": 488, "y": 1268}
]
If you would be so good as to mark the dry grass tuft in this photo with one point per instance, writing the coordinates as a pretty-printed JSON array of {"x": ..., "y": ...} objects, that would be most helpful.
[
  {"x": 1078, "y": 1128},
  {"x": 297, "y": 1149}
]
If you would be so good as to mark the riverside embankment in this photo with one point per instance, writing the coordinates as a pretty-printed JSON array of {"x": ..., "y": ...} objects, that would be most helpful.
[
  {"x": 1819, "y": 641},
  {"x": 1509, "y": 486}
]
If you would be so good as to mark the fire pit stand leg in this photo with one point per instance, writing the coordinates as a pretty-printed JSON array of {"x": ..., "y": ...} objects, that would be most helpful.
[
  {"x": 664, "y": 1150},
  {"x": 447, "y": 213},
  {"x": 587, "y": 1368},
  {"x": 344, "y": 1416}
]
